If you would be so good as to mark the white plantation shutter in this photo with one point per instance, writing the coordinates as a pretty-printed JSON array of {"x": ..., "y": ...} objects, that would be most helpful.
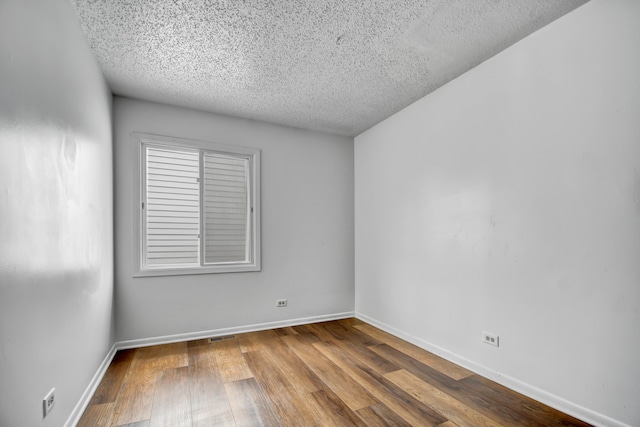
[
  {"x": 200, "y": 207},
  {"x": 172, "y": 211},
  {"x": 226, "y": 209}
]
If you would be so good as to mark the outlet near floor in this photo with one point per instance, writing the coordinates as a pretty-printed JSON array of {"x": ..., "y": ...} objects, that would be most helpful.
[
  {"x": 281, "y": 303},
  {"x": 48, "y": 402},
  {"x": 491, "y": 339}
]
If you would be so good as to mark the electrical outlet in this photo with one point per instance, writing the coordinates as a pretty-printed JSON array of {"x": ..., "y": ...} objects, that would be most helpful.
[
  {"x": 281, "y": 303},
  {"x": 48, "y": 402},
  {"x": 491, "y": 339}
]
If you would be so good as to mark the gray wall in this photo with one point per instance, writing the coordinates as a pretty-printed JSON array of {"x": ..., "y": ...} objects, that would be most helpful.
[
  {"x": 508, "y": 201},
  {"x": 307, "y": 229},
  {"x": 56, "y": 212}
]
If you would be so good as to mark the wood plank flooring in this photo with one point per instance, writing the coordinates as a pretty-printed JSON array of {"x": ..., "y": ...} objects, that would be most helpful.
[{"x": 340, "y": 373}]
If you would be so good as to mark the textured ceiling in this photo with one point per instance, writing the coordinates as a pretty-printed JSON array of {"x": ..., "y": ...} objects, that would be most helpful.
[{"x": 329, "y": 65}]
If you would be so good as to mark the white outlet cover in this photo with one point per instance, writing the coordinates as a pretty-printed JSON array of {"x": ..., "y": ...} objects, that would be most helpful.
[
  {"x": 49, "y": 402},
  {"x": 491, "y": 339}
]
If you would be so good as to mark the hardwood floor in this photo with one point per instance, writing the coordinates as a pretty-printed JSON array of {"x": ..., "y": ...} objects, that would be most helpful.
[{"x": 340, "y": 373}]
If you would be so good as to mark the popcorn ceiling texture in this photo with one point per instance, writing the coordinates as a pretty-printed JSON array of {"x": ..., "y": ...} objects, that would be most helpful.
[{"x": 334, "y": 66}]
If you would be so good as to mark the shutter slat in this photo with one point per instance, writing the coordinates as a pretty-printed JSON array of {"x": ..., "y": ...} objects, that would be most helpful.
[
  {"x": 172, "y": 243},
  {"x": 157, "y": 250},
  {"x": 166, "y": 171},
  {"x": 160, "y": 177},
  {"x": 167, "y": 202},
  {"x": 169, "y": 261},
  {"x": 173, "y": 208},
  {"x": 153, "y": 196},
  {"x": 166, "y": 233},
  {"x": 176, "y": 185},
  {"x": 167, "y": 192}
]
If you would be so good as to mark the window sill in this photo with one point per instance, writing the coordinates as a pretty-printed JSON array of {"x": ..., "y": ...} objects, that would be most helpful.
[{"x": 197, "y": 270}]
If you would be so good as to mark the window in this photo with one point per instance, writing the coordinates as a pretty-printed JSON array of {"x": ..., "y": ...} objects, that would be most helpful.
[{"x": 199, "y": 209}]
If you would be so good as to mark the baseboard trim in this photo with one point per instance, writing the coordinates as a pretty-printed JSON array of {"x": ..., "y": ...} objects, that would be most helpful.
[
  {"x": 167, "y": 339},
  {"x": 535, "y": 393},
  {"x": 82, "y": 404}
]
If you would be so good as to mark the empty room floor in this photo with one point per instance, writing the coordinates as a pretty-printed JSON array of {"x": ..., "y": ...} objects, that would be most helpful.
[{"x": 338, "y": 373}]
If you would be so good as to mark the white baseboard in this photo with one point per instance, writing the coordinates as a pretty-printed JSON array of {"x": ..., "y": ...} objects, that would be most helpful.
[
  {"x": 82, "y": 404},
  {"x": 166, "y": 339},
  {"x": 91, "y": 389},
  {"x": 528, "y": 390}
]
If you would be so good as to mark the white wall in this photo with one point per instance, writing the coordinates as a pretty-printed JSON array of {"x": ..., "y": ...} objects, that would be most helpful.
[
  {"x": 56, "y": 212},
  {"x": 307, "y": 229},
  {"x": 508, "y": 201}
]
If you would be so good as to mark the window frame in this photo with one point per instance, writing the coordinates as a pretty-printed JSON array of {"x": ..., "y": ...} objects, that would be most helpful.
[{"x": 141, "y": 140}]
